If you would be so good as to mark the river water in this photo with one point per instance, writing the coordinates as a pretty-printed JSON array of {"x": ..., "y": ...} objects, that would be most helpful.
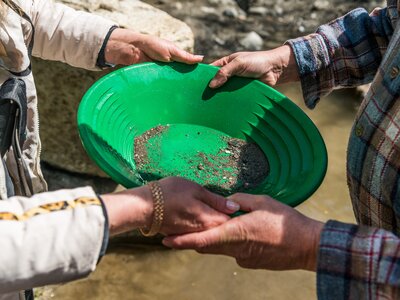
[{"x": 146, "y": 273}]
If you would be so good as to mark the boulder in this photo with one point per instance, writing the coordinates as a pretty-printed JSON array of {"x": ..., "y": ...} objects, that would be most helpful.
[{"x": 61, "y": 87}]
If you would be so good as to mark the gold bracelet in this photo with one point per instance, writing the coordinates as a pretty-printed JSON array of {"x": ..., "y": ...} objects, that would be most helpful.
[{"x": 158, "y": 209}]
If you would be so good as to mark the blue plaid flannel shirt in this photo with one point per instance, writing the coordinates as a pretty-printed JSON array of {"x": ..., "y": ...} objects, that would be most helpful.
[{"x": 361, "y": 262}]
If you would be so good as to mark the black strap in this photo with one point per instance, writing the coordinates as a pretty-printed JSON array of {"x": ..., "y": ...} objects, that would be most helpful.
[
  {"x": 8, "y": 111},
  {"x": 101, "y": 57},
  {"x": 29, "y": 295},
  {"x": 13, "y": 113}
]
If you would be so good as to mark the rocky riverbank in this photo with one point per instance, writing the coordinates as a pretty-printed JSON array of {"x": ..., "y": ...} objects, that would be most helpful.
[{"x": 225, "y": 26}]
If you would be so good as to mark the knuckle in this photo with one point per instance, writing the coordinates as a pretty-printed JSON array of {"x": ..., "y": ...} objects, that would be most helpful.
[
  {"x": 222, "y": 73},
  {"x": 201, "y": 244},
  {"x": 203, "y": 222},
  {"x": 241, "y": 232},
  {"x": 239, "y": 61},
  {"x": 198, "y": 190},
  {"x": 167, "y": 56},
  {"x": 261, "y": 201},
  {"x": 208, "y": 224}
]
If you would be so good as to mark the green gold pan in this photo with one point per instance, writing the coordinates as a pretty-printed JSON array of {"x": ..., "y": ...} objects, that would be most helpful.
[{"x": 126, "y": 103}]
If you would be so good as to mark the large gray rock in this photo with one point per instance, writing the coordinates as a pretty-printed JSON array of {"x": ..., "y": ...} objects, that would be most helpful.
[{"x": 61, "y": 87}]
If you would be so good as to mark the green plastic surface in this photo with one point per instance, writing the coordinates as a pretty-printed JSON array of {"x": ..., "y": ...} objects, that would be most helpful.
[{"x": 127, "y": 102}]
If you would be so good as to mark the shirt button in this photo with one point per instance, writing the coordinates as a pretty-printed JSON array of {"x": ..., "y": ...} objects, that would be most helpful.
[
  {"x": 359, "y": 130},
  {"x": 394, "y": 72}
]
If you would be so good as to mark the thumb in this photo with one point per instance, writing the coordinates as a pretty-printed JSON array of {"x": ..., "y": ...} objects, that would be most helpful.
[
  {"x": 219, "y": 203},
  {"x": 226, "y": 72},
  {"x": 248, "y": 202},
  {"x": 182, "y": 56}
]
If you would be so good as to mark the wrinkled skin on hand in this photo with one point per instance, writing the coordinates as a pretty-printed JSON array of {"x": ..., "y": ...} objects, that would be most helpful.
[
  {"x": 270, "y": 236},
  {"x": 272, "y": 67},
  {"x": 126, "y": 47},
  {"x": 188, "y": 207}
]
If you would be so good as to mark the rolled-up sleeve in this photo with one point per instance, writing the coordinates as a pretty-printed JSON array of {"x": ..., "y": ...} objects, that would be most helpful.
[
  {"x": 64, "y": 34},
  {"x": 344, "y": 53},
  {"x": 50, "y": 238},
  {"x": 358, "y": 262}
]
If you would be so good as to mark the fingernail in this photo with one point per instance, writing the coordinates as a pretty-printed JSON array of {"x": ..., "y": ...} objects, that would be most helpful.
[
  {"x": 199, "y": 56},
  {"x": 213, "y": 84},
  {"x": 233, "y": 206}
]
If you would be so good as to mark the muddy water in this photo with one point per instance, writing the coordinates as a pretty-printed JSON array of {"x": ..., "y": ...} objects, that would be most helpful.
[{"x": 140, "y": 273}]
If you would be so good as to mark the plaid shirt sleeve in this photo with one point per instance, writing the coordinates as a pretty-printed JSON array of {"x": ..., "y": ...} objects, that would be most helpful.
[
  {"x": 344, "y": 53},
  {"x": 358, "y": 262}
]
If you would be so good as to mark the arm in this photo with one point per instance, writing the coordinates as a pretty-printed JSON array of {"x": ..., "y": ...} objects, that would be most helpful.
[
  {"x": 352, "y": 262},
  {"x": 357, "y": 262},
  {"x": 49, "y": 238},
  {"x": 59, "y": 236},
  {"x": 67, "y": 35},
  {"x": 77, "y": 38},
  {"x": 343, "y": 53}
]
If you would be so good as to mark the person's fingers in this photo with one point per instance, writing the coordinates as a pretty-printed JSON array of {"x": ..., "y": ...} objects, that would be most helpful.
[
  {"x": 219, "y": 203},
  {"x": 249, "y": 202},
  {"x": 143, "y": 58},
  {"x": 200, "y": 241},
  {"x": 221, "y": 62},
  {"x": 225, "y": 60},
  {"x": 182, "y": 56},
  {"x": 225, "y": 73}
]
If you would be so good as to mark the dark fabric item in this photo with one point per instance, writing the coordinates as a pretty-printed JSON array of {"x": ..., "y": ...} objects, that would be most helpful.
[
  {"x": 8, "y": 111},
  {"x": 101, "y": 58},
  {"x": 13, "y": 112},
  {"x": 29, "y": 295}
]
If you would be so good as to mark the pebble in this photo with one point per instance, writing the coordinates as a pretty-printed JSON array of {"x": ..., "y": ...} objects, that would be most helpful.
[
  {"x": 278, "y": 9},
  {"x": 222, "y": 2},
  {"x": 208, "y": 10},
  {"x": 252, "y": 41},
  {"x": 219, "y": 41},
  {"x": 178, "y": 5},
  {"x": 258, "y": 10},
  {"x": 231, "y": 12},
  {"x": 321, "y": 4}
]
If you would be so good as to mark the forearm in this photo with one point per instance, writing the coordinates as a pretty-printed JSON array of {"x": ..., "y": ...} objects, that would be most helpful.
[
  {"x": 358, "y": 262},
  {"x": 67, "y": 35},
  {"x": 128, "y": 210},
  {"x": 343, "y": 53},
  {"x": 50, "y": 238}
]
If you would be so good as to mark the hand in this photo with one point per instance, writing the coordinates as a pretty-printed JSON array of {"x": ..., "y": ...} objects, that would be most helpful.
[
  {"x": 271, "y": 236},
  {"x": 126, "y": 47},
  {"x": 188, "y": 207},
  {"x": 271, "y": 67}
]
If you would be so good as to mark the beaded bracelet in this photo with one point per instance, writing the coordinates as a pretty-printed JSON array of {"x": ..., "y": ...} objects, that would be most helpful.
[{"x": 158, "y": 209}]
